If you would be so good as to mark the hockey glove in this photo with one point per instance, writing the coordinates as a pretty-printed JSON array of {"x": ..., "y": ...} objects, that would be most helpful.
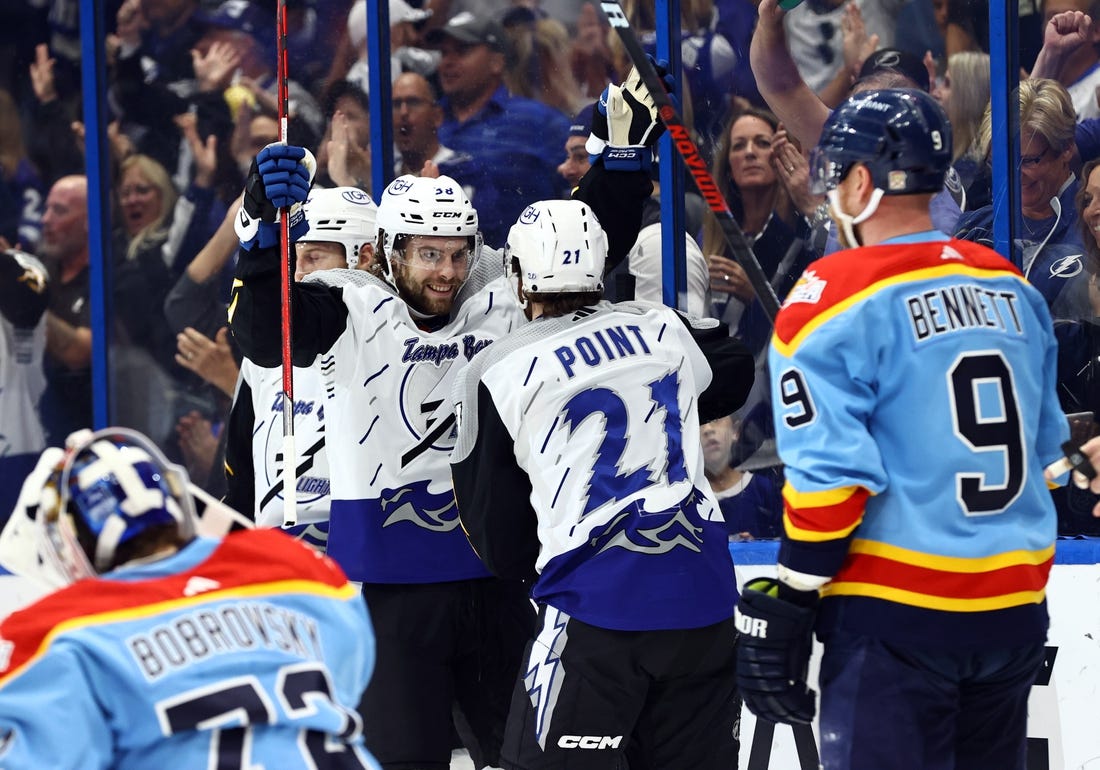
[
  {"x": 280, "y": 176},
  {"x": 625, "y": 125},
  {"x": 773, "y": 653}
]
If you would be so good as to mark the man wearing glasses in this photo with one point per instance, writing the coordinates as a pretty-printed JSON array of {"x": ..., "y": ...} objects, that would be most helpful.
[{"x": 1048, "y": 246}]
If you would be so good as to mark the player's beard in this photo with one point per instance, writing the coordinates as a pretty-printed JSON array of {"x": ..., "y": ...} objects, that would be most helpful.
[{"x": 414, "y": 290}]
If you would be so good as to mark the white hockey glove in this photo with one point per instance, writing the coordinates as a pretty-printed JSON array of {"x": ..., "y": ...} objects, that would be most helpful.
[
  {"x": 20, "y": 553},
  {"x": 280, "y": 176},
  {"x": 625, "y": 125}
]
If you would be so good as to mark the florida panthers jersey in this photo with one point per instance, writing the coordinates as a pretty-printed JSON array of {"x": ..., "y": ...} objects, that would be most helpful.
[
  {"x": 248, "y": 652},
  {"x": 913, "y": 386},
  {"x": 254, "y": 450},
  {"x": 589, "y": 423}
]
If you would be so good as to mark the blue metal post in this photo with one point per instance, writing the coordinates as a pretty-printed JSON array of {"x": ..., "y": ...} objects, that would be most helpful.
[
  {"x": 381, "y": 96},
  {"x": 96, "y": 166},
  {"x": 1004, "y": 78},
  {"x": 673, "y": 258}
]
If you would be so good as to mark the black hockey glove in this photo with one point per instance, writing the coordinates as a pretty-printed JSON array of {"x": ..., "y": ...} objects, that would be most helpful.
[
  {"x": 280, "y": 176},
  {"x": 773, "y": 653},
  {"x": 625, "y": 125}
]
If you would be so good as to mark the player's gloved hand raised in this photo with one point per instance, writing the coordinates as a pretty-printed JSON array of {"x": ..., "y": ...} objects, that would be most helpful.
[
  {"x": 280, "y": 177},
  {"x": 773, "y": 653},
  {"x": 625, "y": 124}
]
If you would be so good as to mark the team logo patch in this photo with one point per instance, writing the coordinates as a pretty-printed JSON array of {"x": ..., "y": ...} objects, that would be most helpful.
[
  {"x": 808, "y": 289},
  {"x": 895, "y": 180},
  {"x": 399, "y": 186},
  {"x": 358, "y": 197},
  {"x": 529, "y": 216},
  {"x": 1066, "y": 267}
]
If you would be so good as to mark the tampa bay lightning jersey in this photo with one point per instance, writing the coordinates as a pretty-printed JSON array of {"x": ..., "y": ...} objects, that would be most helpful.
[
  {"x": 245, "y": 653},
  {"x": 264, "y": 390},
  {"x": 913, "y": 386},
  {"x": 22, "y": 379},
  {"x": 391, "y": 426},
  {"x": 600, "y": 411}
]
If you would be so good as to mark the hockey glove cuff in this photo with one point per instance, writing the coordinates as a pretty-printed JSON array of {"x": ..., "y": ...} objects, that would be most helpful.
[
  {"x": 280, "y": 177},
  {"x": 773, "y": 653}
]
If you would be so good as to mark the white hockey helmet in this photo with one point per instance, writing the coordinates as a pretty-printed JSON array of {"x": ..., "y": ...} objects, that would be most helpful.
[
  {"x": 110, "y": 487},
  {"x": 556, "y": 247},
  {"x": 344, "y": 215},
  {"x": 418, "y": 205}
]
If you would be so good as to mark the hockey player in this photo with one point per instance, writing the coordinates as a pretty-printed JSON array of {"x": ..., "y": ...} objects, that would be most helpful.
[
  {"x": 23, "y": 299},
  {"x": 341, "y": 236},
  {"x": 450, "y": 634},
  {"x": 172, "y": 650},
  {"x": 913, "y": 381},
  {"x": 587, "y": 423}
]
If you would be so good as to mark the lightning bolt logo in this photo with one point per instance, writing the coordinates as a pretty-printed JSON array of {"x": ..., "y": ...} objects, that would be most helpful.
[{"x": 544, "y": 676}]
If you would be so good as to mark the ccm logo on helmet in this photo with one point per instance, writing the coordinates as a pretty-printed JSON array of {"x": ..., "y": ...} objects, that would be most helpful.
[
  {"x": 589, "y": 741},
  {"x": 446, "y": 215}
]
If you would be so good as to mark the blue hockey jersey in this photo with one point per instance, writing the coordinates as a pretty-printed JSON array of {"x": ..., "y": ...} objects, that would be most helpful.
[
  {"x": 914, "y": 397},
  {"x": 248, "y": 652}
]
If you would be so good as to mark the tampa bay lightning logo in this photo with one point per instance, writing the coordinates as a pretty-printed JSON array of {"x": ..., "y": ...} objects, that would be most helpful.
[
  {"x": 425, "y": 406},
  {"x": 399, "y": 186},
  {"x": 529, "y": 216},
  {"x": 416, "y": 505},
  {"x": 356, "y": 196},
  {"x": 1066, "y": 267}
]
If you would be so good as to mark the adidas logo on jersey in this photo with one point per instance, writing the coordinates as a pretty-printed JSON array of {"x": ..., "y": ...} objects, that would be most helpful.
[{"x": 200, "y": 585}]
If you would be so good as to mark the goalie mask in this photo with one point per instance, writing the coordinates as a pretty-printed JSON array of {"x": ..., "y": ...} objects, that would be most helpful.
[
  {"x": 111, "y": 487},
  {"x": 557, "y": 247},
  {"x": 416, "y": 205},
  {"x": 344, "y": 215}
]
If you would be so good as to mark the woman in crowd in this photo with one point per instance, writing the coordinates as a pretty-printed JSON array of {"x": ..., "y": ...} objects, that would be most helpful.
[{"x": 746, "y": 168}]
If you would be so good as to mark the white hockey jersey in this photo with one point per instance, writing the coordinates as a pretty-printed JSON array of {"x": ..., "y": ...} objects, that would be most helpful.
[
  {"x": 22, "y": 382},
  {"x": 264, "y": 389},
  {"x": 390, "y": 428},
  {"x": 601, "y": 412}
]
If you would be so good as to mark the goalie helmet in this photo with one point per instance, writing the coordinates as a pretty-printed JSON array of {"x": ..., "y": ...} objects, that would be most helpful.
[
  {"x": 110, "y": 487},
  {"x": 902, "y": 136},
  {"x": 418, "y": 205},
  {"x": 344, "y": 215},
  {"x": 557, "y": 247}
]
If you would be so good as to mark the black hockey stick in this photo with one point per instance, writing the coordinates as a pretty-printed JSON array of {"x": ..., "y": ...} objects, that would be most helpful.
[{"x": 685, "y": 146}]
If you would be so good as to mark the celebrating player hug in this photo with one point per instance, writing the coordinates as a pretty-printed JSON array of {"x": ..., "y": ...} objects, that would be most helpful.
[{"x": 395, "y": 484}]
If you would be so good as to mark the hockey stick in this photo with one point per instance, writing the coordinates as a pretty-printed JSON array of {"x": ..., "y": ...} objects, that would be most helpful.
[
  {"x": 290, "y": 477},
  {"x": 681, "y": 137}
]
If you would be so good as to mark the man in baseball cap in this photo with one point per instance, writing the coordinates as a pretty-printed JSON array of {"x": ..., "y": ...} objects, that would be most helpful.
[
  {"x": 893, "y": 60},
  {"x": 467, "y": 28}
]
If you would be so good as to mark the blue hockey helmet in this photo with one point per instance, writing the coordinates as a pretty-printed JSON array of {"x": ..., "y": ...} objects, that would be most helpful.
[
  {"x": 111, "y": 487},
  {"x": 902, "y": 136}
]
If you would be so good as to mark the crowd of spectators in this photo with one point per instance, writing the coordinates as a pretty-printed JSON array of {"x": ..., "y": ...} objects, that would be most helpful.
[{"x": 499, "y": 96}]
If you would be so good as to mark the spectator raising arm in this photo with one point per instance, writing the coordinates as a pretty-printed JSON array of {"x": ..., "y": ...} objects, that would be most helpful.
[{"x": 777, "y": 76}]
